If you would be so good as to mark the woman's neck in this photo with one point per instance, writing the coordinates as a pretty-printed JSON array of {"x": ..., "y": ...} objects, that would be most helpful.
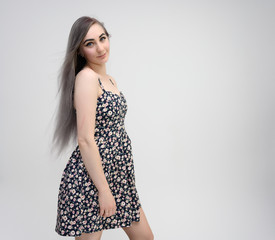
[{"x": 99, "y": 69}]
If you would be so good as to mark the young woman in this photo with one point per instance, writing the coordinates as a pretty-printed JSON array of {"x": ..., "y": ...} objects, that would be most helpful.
[{"x": 97, "y": 189}]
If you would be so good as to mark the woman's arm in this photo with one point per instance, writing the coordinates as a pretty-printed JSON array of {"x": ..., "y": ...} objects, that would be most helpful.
[{"x": 85, "y": 101}]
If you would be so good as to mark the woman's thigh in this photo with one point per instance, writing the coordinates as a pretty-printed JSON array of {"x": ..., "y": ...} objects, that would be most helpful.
[
  {"x": 139, "y": 230},
  {"x": 90, "y": 236}
]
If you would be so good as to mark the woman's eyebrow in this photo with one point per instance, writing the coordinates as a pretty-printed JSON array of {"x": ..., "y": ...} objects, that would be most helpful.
[{"x": 90, "y": 39}]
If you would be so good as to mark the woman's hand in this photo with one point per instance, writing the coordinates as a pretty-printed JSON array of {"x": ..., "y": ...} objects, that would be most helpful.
[{"x": 107, "y": 203}]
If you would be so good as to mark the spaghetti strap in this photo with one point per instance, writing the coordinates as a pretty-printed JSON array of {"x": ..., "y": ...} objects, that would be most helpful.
[
  {"x": 111, "y": 81},
  {"x": 101, "y": 84}
]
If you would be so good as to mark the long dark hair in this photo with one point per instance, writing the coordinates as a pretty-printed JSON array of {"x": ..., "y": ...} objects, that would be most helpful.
[{"x": 65, "y": 120}]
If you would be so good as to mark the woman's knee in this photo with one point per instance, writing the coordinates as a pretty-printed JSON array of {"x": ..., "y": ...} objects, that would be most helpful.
[{"x": 145, "y": 236}]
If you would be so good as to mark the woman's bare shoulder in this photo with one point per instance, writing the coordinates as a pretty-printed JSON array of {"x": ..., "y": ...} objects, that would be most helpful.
[
  {"x": 86, "y": 79},
  {"x": 86, "y": 72}
]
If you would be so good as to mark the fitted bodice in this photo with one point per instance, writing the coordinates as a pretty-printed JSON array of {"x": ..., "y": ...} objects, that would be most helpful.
[{"x": 110, "y": 115}]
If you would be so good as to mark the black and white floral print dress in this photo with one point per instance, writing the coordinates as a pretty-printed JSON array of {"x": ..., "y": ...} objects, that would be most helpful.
[{"x": 78, "y": 206}]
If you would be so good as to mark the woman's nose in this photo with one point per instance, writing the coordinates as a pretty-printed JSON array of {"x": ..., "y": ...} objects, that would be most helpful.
[{"x": 99, "y": 48}]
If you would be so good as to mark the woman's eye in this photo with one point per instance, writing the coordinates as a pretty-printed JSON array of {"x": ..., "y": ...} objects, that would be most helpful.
[{"x": 89, "y": 44}]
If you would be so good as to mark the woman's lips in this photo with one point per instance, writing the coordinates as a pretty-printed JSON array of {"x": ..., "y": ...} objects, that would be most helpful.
[{"x": 102, "y": 56}]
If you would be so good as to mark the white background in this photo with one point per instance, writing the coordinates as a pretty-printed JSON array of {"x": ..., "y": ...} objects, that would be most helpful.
[{"x": 199, "y": 79}]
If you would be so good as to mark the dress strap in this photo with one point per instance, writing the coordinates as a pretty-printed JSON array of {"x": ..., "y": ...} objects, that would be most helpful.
[
  {"x": 111, "y": 81},
  {"x": 101, "y": 85}
]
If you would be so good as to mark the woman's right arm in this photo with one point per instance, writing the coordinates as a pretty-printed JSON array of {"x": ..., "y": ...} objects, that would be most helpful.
[{"x": 85, "y": 101}]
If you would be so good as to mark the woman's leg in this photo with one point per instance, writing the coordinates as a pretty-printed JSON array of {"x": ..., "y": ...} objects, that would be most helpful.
[
  {"x": 90, "y": 236},
  {"x": 139, "y": 230}
]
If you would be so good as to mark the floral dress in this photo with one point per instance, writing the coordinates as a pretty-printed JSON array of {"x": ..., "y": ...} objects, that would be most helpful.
[{"x": 78, "y": 205}]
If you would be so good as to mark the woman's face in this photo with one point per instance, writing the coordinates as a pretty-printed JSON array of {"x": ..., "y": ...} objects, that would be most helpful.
[{"x": 94, "y": 45}]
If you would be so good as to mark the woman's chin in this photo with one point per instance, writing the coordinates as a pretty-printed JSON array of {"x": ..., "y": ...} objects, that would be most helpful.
[{"x": 104, "y": 60}]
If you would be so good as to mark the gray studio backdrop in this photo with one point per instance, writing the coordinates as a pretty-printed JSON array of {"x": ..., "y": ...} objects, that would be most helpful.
[{"x": 199, "y": 79}]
